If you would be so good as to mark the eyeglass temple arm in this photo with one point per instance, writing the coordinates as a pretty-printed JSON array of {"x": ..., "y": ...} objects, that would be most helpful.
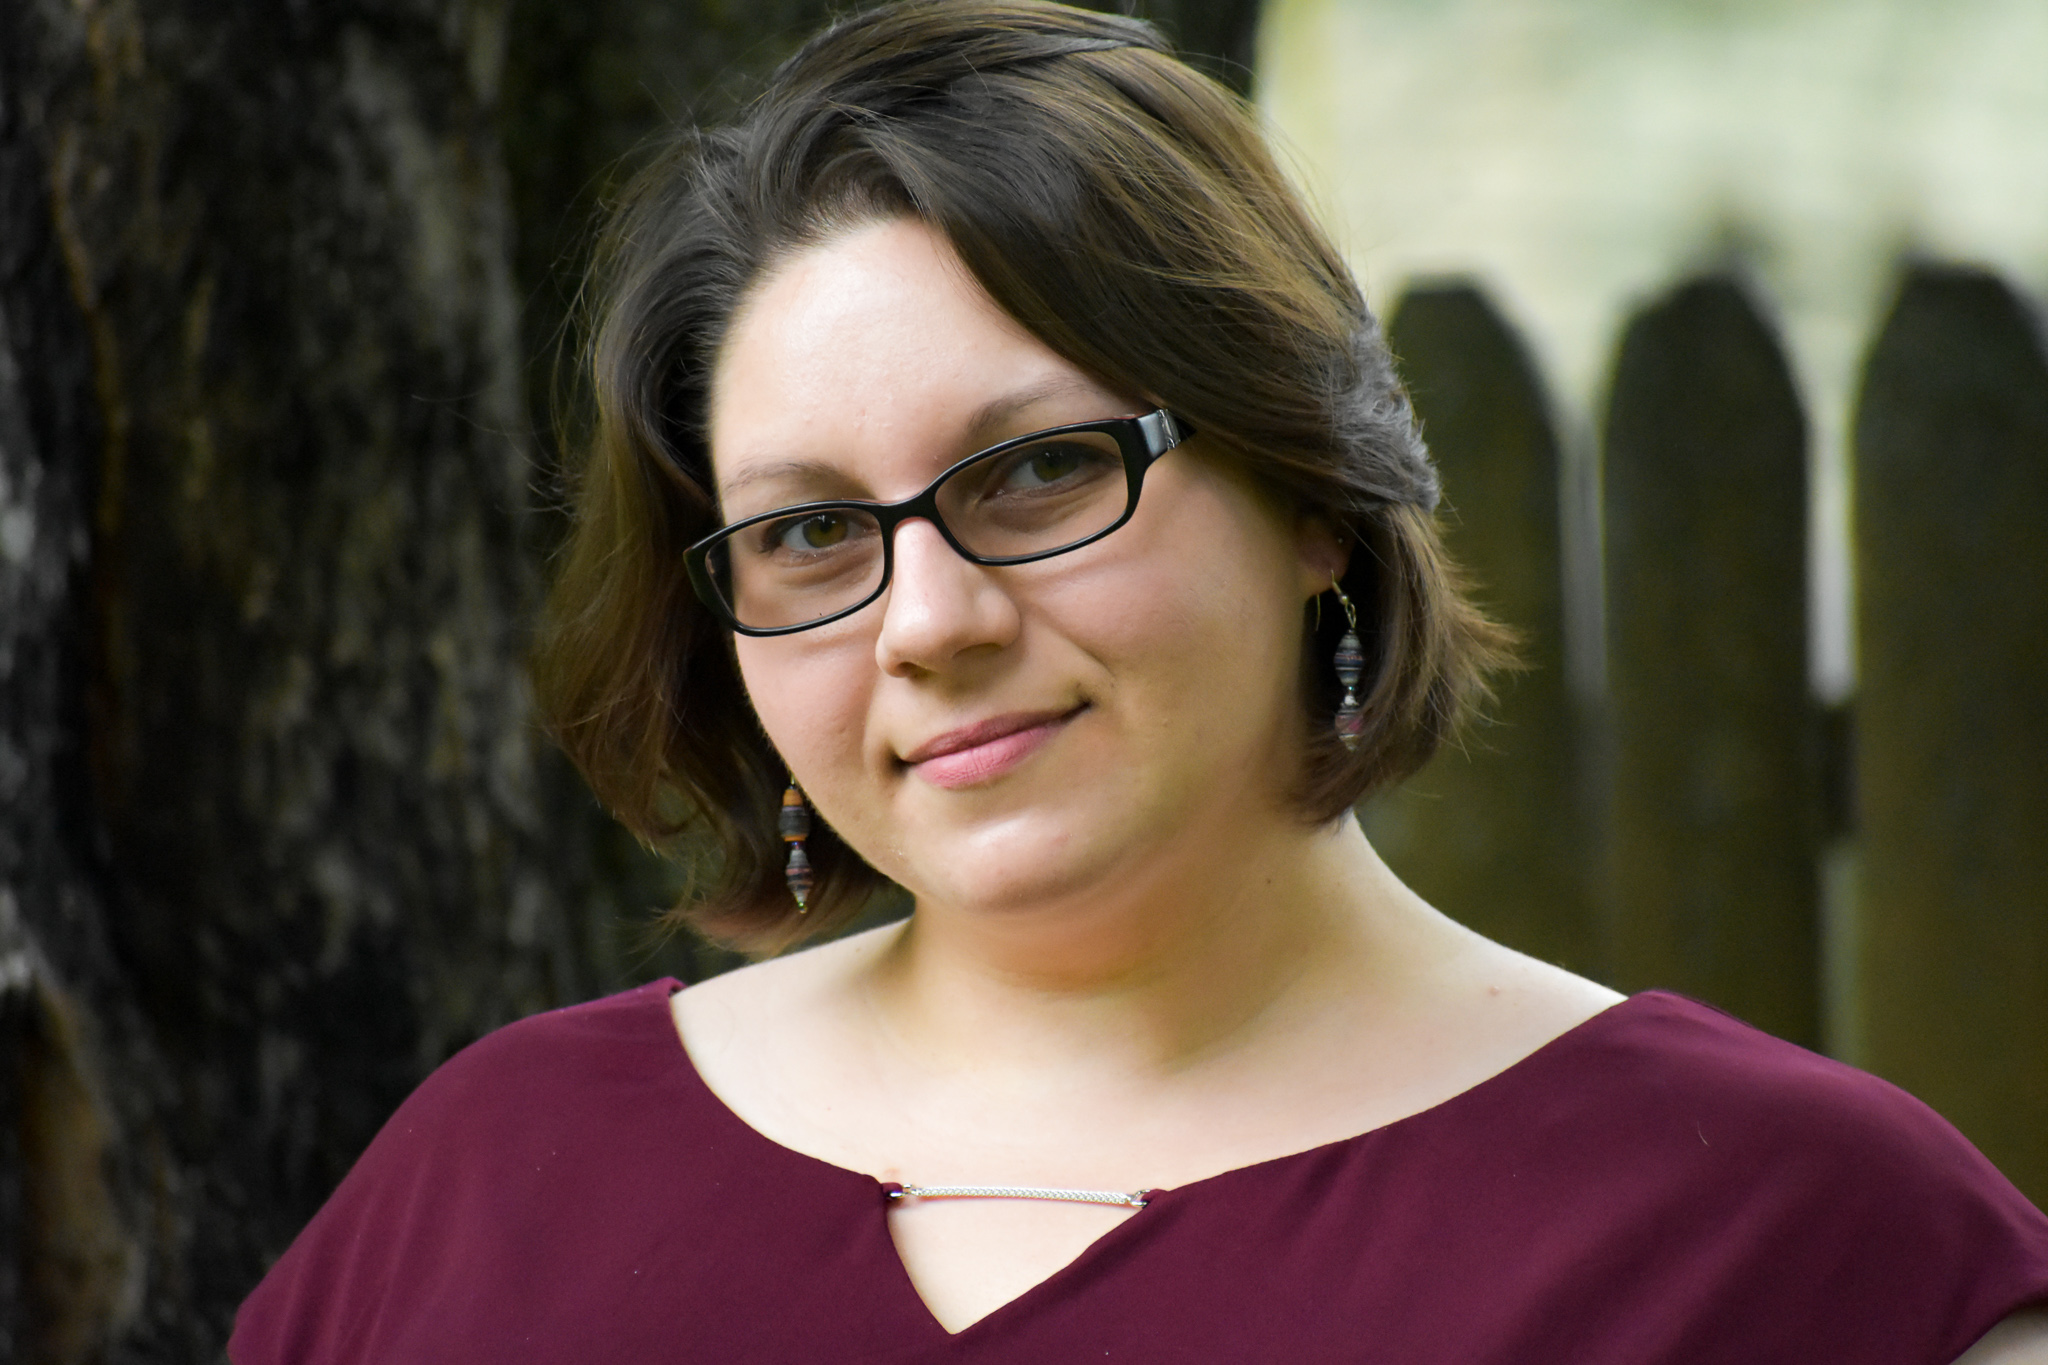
[{"x": 1164, "y": 430}]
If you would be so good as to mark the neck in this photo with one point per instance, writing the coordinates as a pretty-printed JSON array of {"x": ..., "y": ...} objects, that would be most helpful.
[{"x": 1181, "y": 961}]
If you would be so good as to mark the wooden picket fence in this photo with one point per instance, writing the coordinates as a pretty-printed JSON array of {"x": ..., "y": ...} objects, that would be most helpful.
[{"x": 1870, "y": 878}]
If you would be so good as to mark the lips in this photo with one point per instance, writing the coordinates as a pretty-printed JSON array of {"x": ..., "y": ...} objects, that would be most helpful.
[{"x": 987, "y": 749}]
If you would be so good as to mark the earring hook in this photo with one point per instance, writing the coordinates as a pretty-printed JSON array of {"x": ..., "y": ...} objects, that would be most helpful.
[{"x": 1350, "y": 612}]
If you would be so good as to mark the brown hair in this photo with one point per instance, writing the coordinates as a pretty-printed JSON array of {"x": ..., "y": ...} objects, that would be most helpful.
[{"x": 1120, "y": 206}]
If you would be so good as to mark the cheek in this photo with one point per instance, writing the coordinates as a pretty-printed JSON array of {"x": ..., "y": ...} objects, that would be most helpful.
[
  {"x": 1225, "y": 663},
  {"x": 1217, "y": 611},
  {"x": 1195, "y": 632},
  {"x": 809, "y": 692}
]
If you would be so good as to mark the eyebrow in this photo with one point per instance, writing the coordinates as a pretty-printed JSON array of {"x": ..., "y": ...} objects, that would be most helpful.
[
  {"x": 992, "y": 414},
  {"x": 987, "y": 419},
  {"x": 780, "y": 469}
]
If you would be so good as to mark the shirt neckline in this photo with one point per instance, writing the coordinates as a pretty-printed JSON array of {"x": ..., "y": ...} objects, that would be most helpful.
[{"x": 1543, "y": 1055}]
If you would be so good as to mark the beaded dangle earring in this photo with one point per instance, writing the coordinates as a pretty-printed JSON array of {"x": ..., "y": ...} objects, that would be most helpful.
[
  {"x": 794, "y": 824},
  {"x": 1350, "y": 663}
]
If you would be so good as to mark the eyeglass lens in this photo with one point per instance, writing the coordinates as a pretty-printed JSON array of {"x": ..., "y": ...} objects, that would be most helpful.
[{"x": 1030, "y": 499}]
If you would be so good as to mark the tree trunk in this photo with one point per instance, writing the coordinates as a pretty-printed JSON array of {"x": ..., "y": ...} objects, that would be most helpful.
[
  {"x": 280, "y": 839},
  {"x": 278, "y": 832}
]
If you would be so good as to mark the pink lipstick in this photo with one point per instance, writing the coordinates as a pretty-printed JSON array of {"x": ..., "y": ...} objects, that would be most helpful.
[{"x": 986, "y": 750}]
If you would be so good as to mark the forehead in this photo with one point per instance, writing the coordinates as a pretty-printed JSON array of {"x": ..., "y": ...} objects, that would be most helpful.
[{"x": 879, "y": 340}]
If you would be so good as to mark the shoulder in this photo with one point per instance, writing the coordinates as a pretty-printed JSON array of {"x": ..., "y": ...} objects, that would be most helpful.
[
  {"x": 563, "y": 1081},
  {"x": 540, "y": 1128},
  {"x": 566, "y": 1067},
  {"x": 1790, "y": 1178},
  {"x": 1665, "y": 1169},
  {"x": 1667, "y": 1073},
  {"x": 617, "y": 1040},
  {"x": 1670, "y": 1058}
]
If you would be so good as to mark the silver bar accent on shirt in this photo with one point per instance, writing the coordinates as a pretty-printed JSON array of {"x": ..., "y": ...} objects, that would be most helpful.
[{"x": 1134, "y": 1200}]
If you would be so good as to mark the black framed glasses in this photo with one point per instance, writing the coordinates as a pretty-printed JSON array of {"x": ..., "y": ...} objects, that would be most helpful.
[{"x": 1030, "y": 498}]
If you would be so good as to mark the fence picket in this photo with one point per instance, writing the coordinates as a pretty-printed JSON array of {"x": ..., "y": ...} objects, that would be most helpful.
[
  {"x": 1490, "y": 830},
  {"x": 1713, "y": 826},
  {"x": 1951, "y": 447}
]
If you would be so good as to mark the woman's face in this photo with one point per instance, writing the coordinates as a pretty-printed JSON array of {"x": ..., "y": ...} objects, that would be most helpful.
[{"x": 996, "y": 737}]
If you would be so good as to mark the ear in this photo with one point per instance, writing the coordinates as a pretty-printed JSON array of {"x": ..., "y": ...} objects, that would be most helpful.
[{"x": 1322, "y": 551}]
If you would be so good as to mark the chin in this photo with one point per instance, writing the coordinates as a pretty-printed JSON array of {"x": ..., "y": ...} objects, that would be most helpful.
[{"x": 1022, "y": 865}]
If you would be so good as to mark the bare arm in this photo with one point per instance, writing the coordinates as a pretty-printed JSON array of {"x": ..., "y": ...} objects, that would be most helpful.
[{"x": 2021, "y": 1339}]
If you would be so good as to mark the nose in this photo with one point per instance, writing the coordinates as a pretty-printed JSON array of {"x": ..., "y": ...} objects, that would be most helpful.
[{"x": 938, "y": 606}]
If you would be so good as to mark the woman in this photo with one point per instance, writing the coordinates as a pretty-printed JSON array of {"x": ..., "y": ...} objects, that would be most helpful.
[{"x": 1001, "y": 490}]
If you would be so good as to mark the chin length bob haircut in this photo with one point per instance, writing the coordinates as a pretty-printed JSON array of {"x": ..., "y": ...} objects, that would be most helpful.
[{"x": 1120, "y": 206}]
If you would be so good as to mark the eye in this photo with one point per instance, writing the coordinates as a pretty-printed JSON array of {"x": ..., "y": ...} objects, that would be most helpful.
[
  {"x": 1046, "y": 465},
  {"x": 819, "y": 531}
]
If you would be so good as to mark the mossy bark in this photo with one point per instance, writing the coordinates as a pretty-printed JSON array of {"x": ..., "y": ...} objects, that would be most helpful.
[{"x": 277, "y": 832}]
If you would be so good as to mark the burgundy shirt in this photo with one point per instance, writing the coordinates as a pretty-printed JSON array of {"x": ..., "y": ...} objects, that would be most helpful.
[{"x": 1660, "y": 1184}]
